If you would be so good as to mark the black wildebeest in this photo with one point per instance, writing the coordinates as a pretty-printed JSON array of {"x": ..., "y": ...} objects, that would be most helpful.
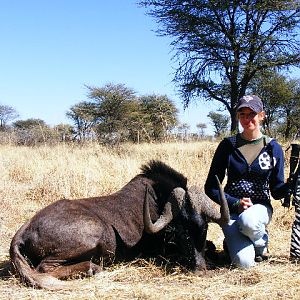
[
  {"x": 189, "y": 216},
  {"x": 71, "y": 236}
]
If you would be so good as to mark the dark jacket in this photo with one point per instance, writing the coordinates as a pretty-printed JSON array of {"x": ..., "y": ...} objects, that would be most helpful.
[{"x": 264, "y": 175}]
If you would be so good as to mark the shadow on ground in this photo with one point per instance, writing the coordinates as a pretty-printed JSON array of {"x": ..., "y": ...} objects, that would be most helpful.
[{"x": 6, "y": 270}]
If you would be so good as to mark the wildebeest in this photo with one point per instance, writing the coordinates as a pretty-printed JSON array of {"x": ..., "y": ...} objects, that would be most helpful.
[
  {"x": 189, "y": 216},
  {"x": 72, "y": 236}
]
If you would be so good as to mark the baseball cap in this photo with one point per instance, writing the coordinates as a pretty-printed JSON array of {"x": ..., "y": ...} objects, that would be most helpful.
[{"x": 251, "y": 101}]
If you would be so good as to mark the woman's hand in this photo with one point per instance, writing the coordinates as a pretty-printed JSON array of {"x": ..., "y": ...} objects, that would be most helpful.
[{"x": 244, "y": 204}]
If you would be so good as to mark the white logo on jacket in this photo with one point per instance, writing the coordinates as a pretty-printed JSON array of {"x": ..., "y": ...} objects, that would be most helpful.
[{"x": 265, "y": 161}]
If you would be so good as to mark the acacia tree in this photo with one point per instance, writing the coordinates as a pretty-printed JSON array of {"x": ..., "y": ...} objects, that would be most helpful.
[
  {"x": 161, "y": 114},
  {"x": 220, "y": 122},
  {"x": 272, "y": 87},
  {"x": 32, "y": 131},
  {"x": 201, "y": 127},
  {"x": 113, "y": 107},
  {"x": 183, "y": 129},
  {"x": 291, "y": 112},
  {"x": 289, "y": 115},
  {"x": 136, "y": 122},
  {"x": 221, "y": 45},
  {"x": 83, "y": 115},
  {"x": 65, "y": 132},
  {"x": 281, "y": 102}
]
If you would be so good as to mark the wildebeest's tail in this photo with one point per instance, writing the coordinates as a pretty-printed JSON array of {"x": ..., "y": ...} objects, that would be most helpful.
[{"x": 28, "y": 274}]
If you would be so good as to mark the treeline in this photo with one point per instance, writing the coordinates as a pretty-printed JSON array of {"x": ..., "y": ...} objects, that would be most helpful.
[
  {"x": 112, "y": 114},
  {"x": 115, "y": 114},
  {"x": 33, "y": 132}
]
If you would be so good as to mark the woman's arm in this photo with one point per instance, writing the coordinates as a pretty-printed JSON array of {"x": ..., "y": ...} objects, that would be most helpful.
[
  {"x": 218, "y": 167},
  {"x": 278, "y": 187}
]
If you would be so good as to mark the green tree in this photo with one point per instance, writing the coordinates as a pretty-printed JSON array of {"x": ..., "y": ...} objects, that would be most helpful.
[
  {"x": 33, "y": 131},
  {"x": 138, "y": 123},
  {"x": 115, "y": 114},
  {"x": 222, "y": 45},
  {"x": 84, "y": 117},
  {"x": 160, "y": 114},
  {"x": 183, "y": 129},
  {"x": 113, "y": 110},
  {"x": 290, "y": 110},
  {"x": 220, "y": 123},
  {"x": 274, "y": 90},
  {"x": 201, "y": 127},
  {"x": 65, "y": 132},
  {"x": 291, "y": 113},
  {"x": 281, "y": 102},
  {"x": 29, "y": 123}
]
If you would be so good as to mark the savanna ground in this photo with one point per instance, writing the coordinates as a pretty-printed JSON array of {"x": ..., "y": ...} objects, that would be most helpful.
[{"x": 34, "y": 177}]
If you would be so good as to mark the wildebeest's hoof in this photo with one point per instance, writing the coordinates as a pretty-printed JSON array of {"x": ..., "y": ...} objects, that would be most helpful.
[
  {"x": 199, "y": 272},
  {"x": 94, "y": 269}
]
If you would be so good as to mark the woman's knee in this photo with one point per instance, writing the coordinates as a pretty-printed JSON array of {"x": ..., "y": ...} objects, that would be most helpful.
[
  {"x": 244, "y": 260},
  {"x": 252, "y": 222},
  {"x": 250, "y": 226}
]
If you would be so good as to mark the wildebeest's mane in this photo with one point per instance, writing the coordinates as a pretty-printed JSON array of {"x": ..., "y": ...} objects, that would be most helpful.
[{"x": 159, "y": 171}]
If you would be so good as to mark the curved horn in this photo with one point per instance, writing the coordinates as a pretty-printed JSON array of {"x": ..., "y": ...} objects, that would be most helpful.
[
  {"x": 201, "y": 203},
  {"x": 224, "y": 209},
  {"x": 171, "y": 209}
]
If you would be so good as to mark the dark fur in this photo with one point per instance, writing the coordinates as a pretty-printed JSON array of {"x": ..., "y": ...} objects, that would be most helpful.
[
  {"x": 190, "y": 223},
  {"x": 71, "y": 236},
  {"x": 190, "y": 231}
]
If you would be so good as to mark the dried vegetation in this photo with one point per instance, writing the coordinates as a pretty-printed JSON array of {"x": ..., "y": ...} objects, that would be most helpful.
[{"x": 34, "y": 177}]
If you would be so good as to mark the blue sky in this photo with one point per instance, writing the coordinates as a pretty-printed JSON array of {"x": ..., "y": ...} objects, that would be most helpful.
[{"x": 51, "y": 49}]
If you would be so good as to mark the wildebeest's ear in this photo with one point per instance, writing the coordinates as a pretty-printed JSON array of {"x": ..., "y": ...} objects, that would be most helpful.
[{"x": 149, "y": 191}]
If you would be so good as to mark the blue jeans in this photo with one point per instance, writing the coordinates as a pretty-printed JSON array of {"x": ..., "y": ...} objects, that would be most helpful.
[{"x": 246, "y": 235}]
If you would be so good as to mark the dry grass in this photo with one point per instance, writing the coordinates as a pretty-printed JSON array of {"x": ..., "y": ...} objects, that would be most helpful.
[{"x": 34, "y": 177}]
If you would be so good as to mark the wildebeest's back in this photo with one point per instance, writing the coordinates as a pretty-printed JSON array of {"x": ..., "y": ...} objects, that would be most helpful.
[{"x": 66, "y": 229}]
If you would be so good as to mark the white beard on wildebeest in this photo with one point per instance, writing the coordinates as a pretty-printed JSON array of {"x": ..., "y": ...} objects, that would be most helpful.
[{"x": 72, "y": 236}]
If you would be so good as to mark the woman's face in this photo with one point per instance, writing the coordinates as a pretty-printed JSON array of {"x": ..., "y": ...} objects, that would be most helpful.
[{"x": 249, "y": 119}]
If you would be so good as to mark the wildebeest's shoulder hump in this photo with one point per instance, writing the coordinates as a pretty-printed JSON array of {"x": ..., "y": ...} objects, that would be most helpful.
[{"x": 156, "y": 168}]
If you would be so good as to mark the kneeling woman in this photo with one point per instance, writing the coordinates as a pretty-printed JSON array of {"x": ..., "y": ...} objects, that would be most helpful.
[{"x": 254, "y": 165}]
